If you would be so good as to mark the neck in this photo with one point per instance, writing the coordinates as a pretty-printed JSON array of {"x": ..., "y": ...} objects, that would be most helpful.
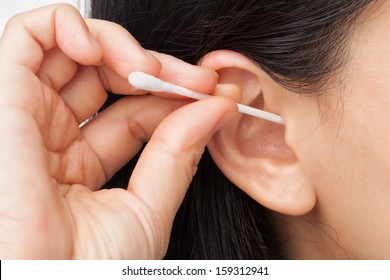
[{"x": 307, "y": 238}]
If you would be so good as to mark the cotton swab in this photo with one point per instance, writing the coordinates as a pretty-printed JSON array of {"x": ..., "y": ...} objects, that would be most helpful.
[{"x": 150, "y": 83}]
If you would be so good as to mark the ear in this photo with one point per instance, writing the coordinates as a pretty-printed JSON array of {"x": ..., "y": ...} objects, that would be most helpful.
[{"x": 252, "y": 152}]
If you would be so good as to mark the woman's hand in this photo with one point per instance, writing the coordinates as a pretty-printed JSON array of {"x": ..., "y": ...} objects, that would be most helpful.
[{"x": 55, "y": 70}]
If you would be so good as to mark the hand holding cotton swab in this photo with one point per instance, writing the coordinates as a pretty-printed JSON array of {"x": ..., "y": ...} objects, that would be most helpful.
[{"x": 147, "y": 82}]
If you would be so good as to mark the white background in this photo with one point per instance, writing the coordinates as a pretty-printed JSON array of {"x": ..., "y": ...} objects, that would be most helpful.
[{"x": 9, "y": 8}]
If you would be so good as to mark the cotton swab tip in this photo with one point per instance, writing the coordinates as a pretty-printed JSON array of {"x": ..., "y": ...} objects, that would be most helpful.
[
  {"x": 150, "y": 83},
  {"x": 146, "y": 82}
]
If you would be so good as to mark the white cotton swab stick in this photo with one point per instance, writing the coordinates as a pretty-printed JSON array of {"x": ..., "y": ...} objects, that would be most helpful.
[{"x": 147, "y": 82}]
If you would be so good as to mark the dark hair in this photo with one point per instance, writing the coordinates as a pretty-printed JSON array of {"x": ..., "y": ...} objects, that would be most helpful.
[{"x": 299, "y": 43}]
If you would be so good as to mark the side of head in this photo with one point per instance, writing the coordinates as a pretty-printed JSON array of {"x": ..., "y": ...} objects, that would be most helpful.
[{"x": 302, "y": 60}]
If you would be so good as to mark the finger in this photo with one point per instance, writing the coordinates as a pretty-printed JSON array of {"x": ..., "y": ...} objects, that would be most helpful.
[
  {"x": 174, "y": 70},
  {"x": 28, "y": 35},
  {"x": 56, "y": 69},
  {"x": 183, "y": 74},
  {"x": 119, "y": 132},
  {"x": 85, "y": 94},
  {"x": 121, "y": 52},
  {"x": 231, "y": 91},
  {"x": 169, "y": 161},
  {"x": 180, "y": 73},
  {"x": 123, "y": 55}
]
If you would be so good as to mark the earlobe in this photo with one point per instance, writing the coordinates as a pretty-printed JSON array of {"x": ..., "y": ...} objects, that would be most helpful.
[{"x": 252, "y": 152}]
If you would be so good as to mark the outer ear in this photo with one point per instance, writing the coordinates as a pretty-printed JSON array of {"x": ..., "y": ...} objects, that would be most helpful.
[{"x": 251, "y": 152}]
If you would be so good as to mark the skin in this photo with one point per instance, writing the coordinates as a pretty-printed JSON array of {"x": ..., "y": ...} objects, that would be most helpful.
[
  {"x": 345, "y": 153},
  {"x": 55, "y": 71},
  {"x": 325, "y": 173},
  {"x": 334, "y": 146}
]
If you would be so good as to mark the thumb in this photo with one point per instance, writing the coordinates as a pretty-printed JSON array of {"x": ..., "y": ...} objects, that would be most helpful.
[{"x": 170, "y": 159}]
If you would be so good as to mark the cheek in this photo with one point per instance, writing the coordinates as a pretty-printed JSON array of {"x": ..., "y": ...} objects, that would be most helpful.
[
  {"x": 347, "y": 158},
  {"x": 332, "y": 142},
  {"x": 322, "y": 134}
]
